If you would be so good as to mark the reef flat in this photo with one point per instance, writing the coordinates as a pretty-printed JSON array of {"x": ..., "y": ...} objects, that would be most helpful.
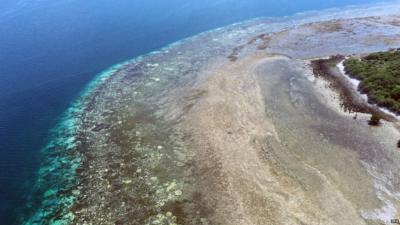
[{"x": 228, "y": 127}]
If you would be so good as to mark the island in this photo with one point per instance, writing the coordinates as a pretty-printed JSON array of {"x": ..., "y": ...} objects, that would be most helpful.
[
  {"x": 253, "y": 123},
  {"x": 379, "y": 75}
]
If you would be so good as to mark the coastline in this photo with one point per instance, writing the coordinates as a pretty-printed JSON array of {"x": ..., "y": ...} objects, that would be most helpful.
[
  {"x": 152, "y": 85},
  {"x": 338, "y": 82},
  {"x": 355, "y": 84},
  {"x": 332, "y": 70}
]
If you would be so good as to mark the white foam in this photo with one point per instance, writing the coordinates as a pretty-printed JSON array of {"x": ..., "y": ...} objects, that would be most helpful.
[
  {"x": 388, "y": 210},
  {"x": 355, "y": 83}
]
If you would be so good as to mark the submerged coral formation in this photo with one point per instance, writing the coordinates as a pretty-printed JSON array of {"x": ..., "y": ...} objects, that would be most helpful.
[{"x": 225, "y": 127}]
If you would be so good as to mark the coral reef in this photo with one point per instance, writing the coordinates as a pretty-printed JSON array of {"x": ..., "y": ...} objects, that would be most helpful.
[{"x": 225, "y": 127}]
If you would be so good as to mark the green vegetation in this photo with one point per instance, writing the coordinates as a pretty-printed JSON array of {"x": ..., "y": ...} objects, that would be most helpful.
[
  {"x": 375, "y": 120},
  {"x": 379, "y": 74}
]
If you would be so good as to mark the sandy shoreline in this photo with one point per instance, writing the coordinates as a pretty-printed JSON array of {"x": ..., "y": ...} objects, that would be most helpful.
[
  {"x": 258, "y": 144},
  {"x": 206, "y": 132},
  {"x": 389, "y": 209},
  {"x": 355, "y": 84},
  {"x": 287, "y": 140},
  {"x": 332, "y": 70}
]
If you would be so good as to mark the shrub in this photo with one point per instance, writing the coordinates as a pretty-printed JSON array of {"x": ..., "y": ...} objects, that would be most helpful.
[
  {"x": 375, "y": 120},
  {"x": 379, "y": 74}
]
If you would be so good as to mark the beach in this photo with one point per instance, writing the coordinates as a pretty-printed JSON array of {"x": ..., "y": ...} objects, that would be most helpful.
[{"x": 231, "y": 126}]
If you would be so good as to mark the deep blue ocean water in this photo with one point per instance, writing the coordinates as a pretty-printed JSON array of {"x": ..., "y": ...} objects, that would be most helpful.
[{"x": 50, "y": 49}]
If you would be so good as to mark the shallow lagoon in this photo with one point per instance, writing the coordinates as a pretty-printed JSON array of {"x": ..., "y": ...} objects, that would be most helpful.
[
  {"x": 48, "y": 54},
  {"x": 130, "y": 105}
]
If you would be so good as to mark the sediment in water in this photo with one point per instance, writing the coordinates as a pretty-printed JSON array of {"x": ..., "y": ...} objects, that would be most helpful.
[{"x": 189, "y": 135}]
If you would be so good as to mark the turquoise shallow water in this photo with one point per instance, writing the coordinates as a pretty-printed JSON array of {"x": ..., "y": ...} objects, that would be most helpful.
[
  {"x": 49, "y": 54},
  {"x": 57, "y": 174},
  {"x": 54, "y": 192}
]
